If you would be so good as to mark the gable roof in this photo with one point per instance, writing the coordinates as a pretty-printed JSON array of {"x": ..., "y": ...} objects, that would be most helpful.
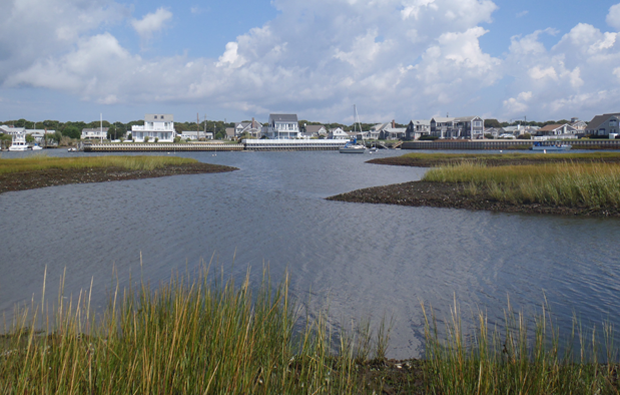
[
  {"x": 599, "y": 119},
  {"x": 552, "y": 127},
  {"x": 314, "y": 128},
  {"x": 283, "y": 117}
]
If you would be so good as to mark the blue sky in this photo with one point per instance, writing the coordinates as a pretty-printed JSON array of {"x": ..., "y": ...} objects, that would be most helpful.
[{"x": 394, "y": 59}]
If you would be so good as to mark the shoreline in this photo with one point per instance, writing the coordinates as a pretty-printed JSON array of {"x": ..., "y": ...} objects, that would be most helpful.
[
  {"x": 25, "y": 180},
  {"x": 451, "y": 195}
]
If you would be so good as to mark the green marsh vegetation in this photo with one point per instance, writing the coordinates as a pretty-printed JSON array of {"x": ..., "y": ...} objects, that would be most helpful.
[
  {"x": 43, "y": 162},
  {"x": 568, "y": 184},
  {"x": 208, "y": 335},
  {"x": 202, "y": 336},
  {"x": 527, "y": 356}
]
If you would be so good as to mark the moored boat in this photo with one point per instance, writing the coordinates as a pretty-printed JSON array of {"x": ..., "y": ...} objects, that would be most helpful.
[
  {"x": 552, "y": 147},
  {"x": 19, "y": 143},
  {"x": 352, "y": 147}
]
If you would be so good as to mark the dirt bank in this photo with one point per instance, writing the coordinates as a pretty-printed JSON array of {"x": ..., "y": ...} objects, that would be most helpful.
[
  {"x": 451, "y": 195},
  {"x": 45, "y": 178}
]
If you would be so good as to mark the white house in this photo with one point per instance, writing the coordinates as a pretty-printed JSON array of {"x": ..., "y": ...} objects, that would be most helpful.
[
  {"x": 314, "y": 131},
  {"x": 338, "y": 134},
  {"x": 463, "y": 127},
  {"x": 252, "y": 128},
  {"x": 12, "y": 130},
  {"x": 95, "y": 134},
  {"x": 282, "y": 126},
  {"x": 196, "y": 135},
  {"x": 156, "y": 126}
]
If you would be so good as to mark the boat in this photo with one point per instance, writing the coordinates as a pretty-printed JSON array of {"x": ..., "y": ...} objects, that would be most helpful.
[
  {"x": 72, "y": 149},
  {"x": 352, "y": 146},
  {"x": 36, "y": 147},
  {"x": 19, "y": 143},
  {"x": 553, "y": 147}
]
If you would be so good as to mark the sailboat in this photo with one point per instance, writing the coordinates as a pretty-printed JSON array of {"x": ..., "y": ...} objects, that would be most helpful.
[{"x": 353, "y": 147}]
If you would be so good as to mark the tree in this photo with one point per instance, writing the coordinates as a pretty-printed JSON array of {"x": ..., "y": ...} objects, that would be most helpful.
[
  {"x": 492, "y": 123},
  {"x": 71, "y": 131},
  {"x": 29, "y": 138}
]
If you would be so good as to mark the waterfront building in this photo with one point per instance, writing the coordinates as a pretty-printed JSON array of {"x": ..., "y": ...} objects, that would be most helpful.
[
  {"x": 156, "y": 126},
  {"x": 314, "y": 131},
  {"x": 452, "y": 128},
  {"x": 252, "y": 129},
  {"x": 417, "y": 128},
  {"x": 603, "y": 125},
  {"x": 95, "y": 134},
  {"x": 338, "y": 134},
  {"x": 558, "y": 131},
  {"x": 196, "y": 135},
  {"x": 282, "y": 126}
]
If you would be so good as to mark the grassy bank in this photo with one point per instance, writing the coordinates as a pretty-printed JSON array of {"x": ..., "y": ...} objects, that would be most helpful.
[
  {"x": 568, "y": 184},
  {"x": 206, "y": 336},
  {"x": 528, "y": 356},
  {"x": 502, "y": 159},
  {"x": 42, "y": 162},
  {"x": 185, "y": 337}
]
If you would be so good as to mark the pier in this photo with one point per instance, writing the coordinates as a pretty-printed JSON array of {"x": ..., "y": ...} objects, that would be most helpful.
[
  {"x": 161, "y": 147},
  {"x": 293, "y": 145}
]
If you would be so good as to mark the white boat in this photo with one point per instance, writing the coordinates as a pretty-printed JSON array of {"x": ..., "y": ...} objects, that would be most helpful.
[
  {"x": 352, "y": 147},
  {"x": 36, "y": 147},
  {"x": 72, "y": 149},
  {"x": 553, "y": 147},
  {"x": 19, "y": 143}
]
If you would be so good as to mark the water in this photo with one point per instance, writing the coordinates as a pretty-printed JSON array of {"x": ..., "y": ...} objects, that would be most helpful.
[{"x": 361, "y": 261}]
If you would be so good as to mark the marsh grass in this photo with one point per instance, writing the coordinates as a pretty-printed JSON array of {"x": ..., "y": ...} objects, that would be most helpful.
[
  {"x": 566, "y": 184},
  {"x": 184, "y": 337},
  {"x": 442, "y": 158},
  {"x": 526, "y": 357},
  {"x": 42, "y": 162}
]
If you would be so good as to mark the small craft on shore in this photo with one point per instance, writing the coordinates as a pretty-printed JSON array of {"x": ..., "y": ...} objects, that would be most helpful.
[{"x": 554, "y": 147}]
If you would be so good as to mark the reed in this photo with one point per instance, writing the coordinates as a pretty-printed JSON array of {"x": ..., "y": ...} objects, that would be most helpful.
[
  {"x": 42, "y": 162},
  {"x": 566, "y": 184},
  {"x": 527, "y": 357},
  {"x": 185, "y": 337},
  {"x": 512, "y": 156}
]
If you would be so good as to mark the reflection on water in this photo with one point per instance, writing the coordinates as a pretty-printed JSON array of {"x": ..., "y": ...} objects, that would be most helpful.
[{"x": 364, "y": 261}]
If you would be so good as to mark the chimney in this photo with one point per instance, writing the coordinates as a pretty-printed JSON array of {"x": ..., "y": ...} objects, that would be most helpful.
[
  {"x": 393, "y": 124},
  {"x": 253, "y": 123}
]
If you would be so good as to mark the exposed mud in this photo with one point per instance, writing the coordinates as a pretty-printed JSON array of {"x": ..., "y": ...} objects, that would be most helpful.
[
  {"x": 452, "y": 195},
  {"x": 51, "y": 177}
]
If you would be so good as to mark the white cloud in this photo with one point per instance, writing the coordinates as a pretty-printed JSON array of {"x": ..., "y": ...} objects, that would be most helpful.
[
  {"x": 522, "y": 14},
  {"x": 151, "y": 23},
  {"x": 613, "y": 17},
  {"x": 393, "y": 58}
]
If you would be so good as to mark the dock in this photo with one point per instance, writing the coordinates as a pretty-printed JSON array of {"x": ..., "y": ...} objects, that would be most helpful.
[{"x": 160, "y": 147}]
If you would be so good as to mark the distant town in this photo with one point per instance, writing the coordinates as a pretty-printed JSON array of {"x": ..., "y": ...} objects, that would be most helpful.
[{"x": 161, "y": 128}]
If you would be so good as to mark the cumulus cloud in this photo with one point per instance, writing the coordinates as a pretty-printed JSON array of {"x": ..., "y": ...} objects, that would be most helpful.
[
  {"x": 395, "y": 59},
  {"x": 151, "y": 23},
  {"x": 613, "y": 17}
]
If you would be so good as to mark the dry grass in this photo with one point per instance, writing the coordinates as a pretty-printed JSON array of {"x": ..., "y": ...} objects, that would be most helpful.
[
  {"x": 562, "y": 184},
  {"x": 42, "y": 162},
  {"x": 185, "y": 337}
]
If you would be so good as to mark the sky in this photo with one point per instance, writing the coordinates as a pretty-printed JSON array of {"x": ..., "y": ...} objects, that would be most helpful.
[{"x": 72, "y": 60}]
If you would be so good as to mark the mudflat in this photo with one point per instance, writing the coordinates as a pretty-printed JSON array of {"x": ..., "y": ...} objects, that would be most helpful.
[{"x": 24, "y": 180}]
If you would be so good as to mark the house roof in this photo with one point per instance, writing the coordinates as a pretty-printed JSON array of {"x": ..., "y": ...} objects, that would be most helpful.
[
  {"x": 420, "y": 122},
  {"x": 314, "y": 128},
  {"x": 599, "y": 119},
  {"x": 466, "y": 119},
  {"x": 158, "y": 117},
  {"x": 549, "y": 128},
  {"x": 283, "y": 117}
]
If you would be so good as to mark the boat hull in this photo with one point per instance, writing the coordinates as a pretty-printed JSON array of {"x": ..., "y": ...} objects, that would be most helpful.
[
  {"x": 546, "y": 148},
  {"x": 352, "y": 150}
]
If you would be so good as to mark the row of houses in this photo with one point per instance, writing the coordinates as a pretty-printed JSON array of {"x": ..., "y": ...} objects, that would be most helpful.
[{"x": 160, "y": 127}]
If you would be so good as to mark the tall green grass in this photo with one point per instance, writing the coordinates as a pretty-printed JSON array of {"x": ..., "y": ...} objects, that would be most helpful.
[
  {"x": 563, "y": 184},
  {"x": 42, "y": 162},
  {"x": 524, "y": 358},
  {"x": 184, "y": 337}
]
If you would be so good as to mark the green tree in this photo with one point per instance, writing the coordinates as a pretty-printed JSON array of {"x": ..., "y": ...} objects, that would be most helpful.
[
  {"x": 492, "y": 123},
  {"x": 71, "y": 131}
]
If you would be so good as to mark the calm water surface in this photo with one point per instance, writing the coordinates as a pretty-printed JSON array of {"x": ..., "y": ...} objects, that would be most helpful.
[{"x": 360, "y": 261}]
